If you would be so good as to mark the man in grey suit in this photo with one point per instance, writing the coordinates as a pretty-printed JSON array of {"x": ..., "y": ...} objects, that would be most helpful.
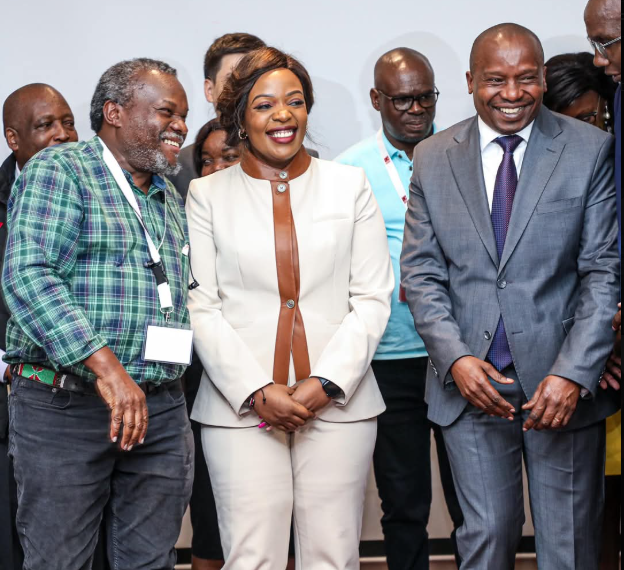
[{"x": 511, "y": 269}]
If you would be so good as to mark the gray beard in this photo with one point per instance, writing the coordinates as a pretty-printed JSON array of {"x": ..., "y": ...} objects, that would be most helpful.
[{"x": 152, "y": 160}]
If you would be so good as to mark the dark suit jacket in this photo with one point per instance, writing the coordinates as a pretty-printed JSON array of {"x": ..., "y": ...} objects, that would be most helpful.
[
  {"x": 557, "y": 284},
  {"x": 618, "y": 157},
  {"x": 7, "y": 178}
]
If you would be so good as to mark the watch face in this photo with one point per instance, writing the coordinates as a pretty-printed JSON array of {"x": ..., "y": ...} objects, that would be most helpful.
[{"x": 331, "y": 389}]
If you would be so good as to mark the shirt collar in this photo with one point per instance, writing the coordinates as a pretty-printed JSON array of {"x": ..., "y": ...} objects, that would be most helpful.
[
  {"x": 489, "y": 135},
  {"x": 157, "y": 181},
  {"x": 394, "y": 152}
]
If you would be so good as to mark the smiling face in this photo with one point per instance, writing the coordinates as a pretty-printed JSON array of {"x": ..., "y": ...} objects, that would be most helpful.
[
  {"x": 276, "y": 118},
  {"x": 45, "y": 120},
  {"x": 217, "y": 155},
  {"x": 508, "y": 81},
  {"x": 153, "y": 125}
]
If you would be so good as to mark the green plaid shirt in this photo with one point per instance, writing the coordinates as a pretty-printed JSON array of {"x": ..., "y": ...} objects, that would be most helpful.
[{"x": 75, "y": 277}]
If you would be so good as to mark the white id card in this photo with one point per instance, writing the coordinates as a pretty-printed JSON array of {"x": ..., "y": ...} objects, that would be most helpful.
[{"x": 168, "y": 345}]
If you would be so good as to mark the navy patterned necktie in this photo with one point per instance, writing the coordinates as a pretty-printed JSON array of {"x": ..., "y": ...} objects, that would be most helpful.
[{"x": 504, "y": 195}]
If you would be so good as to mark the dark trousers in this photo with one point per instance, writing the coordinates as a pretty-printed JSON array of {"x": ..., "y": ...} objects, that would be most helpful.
[
  {"x": 402, "y": 464},
  {"x": 70, "y": 476},
  {"x": 11, "y": 557}
]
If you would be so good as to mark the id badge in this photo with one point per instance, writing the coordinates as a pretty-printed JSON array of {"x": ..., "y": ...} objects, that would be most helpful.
[
  {"x": 402, "y": 295},
  {"x": 168, "y": 345}
]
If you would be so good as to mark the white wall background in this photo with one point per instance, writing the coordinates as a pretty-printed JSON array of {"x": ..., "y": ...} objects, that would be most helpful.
[{"x": 70, "y": 43}]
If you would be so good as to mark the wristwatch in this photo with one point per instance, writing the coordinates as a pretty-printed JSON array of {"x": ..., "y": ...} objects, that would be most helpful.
[{"x": 331, "y": 389}]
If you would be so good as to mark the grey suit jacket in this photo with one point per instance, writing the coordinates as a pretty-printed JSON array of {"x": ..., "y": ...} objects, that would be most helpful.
[{"x": 557, "y": 285}]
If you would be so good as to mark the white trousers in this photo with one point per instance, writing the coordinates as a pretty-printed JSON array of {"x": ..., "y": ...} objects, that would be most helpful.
[{"x": 260, "y": 480}]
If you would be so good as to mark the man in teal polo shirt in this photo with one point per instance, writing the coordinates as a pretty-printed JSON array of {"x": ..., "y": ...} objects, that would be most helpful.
[{"x": 405, "y": 95}]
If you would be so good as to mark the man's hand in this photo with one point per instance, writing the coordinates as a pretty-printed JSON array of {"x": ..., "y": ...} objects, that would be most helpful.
[
  {"x": 553, "y": 405},
  {"x": 471, "y": 376},
  {"x": 8, "y": 377},
  {"x": 311, "y": 395},
  {"x": 123, "y": 397},
  {"x": 281, "y": 411},
  {"x": 612, "y": 376}
]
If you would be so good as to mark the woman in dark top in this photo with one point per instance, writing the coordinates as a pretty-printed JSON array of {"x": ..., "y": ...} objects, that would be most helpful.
[{"x": 580, "y": 90}]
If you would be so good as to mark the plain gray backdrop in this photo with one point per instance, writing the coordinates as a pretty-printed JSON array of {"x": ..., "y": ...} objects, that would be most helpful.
[{"x": 70, "y": 43}]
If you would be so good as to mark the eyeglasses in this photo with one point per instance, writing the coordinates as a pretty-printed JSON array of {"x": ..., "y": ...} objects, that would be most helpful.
[
  {"x": 402, "y": 104},
  {"x": 603, "y": 49}
]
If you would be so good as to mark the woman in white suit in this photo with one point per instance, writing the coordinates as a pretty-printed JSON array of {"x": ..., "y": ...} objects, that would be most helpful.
[{"x": 295, "y": 281}]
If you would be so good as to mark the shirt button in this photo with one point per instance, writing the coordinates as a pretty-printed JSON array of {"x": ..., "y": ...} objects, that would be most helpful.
[
  {"x": 283, "y": 175},
  {"x": 290, "y": 304},
  {"x": 488, "y": 335},
  {"x": 282, "y": 188},
  {"x": 502, "y": 284}
]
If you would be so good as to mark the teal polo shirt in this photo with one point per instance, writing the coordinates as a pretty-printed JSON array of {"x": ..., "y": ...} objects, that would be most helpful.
[{"x": 401, "y": 341}]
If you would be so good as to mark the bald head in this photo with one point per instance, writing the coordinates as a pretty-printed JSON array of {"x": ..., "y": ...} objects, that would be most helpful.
[
  {"x": 507, "y": 77},
  {"x": 603, "y": 19},
  {"x": 35, "y": 117},
  {"x": 401, "y": 61},
  {"x": 18, "y": 102},
  {"x": 606, "y": 9},
  {"x": 405, "y": 94},
  {"x": 501, "y": 37}
]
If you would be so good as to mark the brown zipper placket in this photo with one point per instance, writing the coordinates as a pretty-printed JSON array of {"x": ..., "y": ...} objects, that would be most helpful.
[{"x": 291, "y": 338}]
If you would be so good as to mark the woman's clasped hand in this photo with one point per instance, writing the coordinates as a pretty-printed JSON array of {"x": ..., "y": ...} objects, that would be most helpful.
[{"x": 290, "y": 408}]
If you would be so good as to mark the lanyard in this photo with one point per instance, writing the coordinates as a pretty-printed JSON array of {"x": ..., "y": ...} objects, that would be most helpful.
[
  {"x": 392, "y": 170},
  {"x": 164, "y": 290}
]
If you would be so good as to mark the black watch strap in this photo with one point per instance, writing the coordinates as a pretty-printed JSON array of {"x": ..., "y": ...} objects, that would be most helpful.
[{"x": 331, "y": 389}]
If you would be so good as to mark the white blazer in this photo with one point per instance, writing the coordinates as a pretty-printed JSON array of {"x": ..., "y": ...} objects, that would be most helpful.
[{"x": 346, "y": 285}]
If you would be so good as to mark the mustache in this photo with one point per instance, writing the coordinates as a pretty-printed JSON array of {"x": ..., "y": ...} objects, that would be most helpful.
[{"x": 172, "y": 137}]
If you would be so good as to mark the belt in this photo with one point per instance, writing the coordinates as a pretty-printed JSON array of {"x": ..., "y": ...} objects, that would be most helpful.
[{"x": 71, "y": 383}]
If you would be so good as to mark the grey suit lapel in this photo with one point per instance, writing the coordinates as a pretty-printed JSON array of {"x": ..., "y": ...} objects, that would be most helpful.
[
  {"x": 467, "y": 168},
  {"x": 541, "y": 159}
]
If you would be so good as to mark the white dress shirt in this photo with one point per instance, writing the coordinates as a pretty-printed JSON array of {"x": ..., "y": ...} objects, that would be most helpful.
[{"x": 492, "y": 155}]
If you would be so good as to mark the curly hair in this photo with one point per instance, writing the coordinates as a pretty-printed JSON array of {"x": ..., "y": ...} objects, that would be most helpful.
[
  {"x": 232, "y": 103},
  {"x": 120, "y": 83}
]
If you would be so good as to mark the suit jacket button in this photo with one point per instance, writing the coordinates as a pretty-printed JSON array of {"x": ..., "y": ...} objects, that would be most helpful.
[
  {"x": 291, "y": 304},
  {"x": 502, "y": 284},
  {"x": 282, "y": 188},
  {"x": 488, "y": 335},
  {"x": 283, "y": 175}
]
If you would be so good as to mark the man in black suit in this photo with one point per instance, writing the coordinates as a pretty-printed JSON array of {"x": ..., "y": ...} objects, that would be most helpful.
[{"x": 35, "y": 117}]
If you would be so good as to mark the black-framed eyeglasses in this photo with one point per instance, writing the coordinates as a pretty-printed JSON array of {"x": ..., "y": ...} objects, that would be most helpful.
[
  {"x": 603, "y": 48},
  {"x": 402, "y": 104}
]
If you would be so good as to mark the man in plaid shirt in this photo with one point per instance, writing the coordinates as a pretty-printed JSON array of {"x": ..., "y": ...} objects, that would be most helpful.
[{"x": 95, "y": 430}]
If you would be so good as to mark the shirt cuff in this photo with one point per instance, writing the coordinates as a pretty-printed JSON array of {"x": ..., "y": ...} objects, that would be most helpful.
[{"x": 3, "y": 367}]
